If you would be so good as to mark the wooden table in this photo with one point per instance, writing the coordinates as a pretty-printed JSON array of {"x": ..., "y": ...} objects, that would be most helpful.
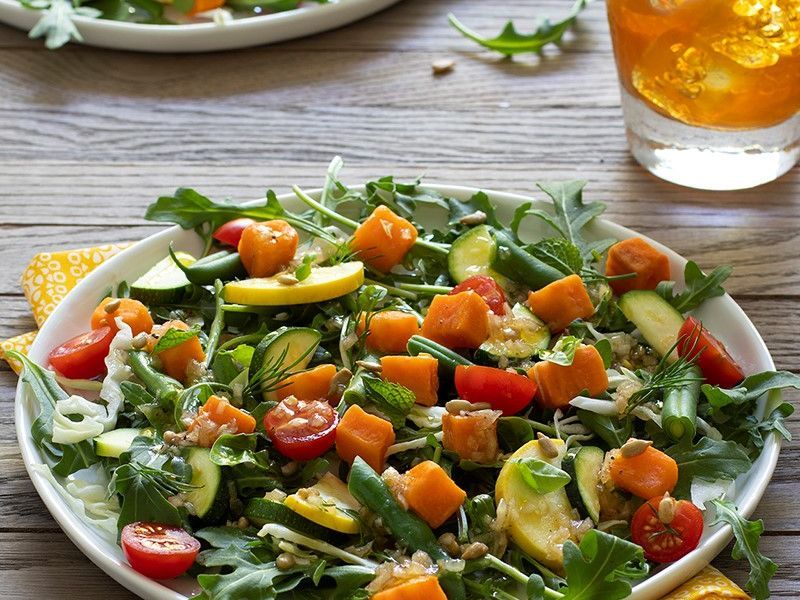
[{"x": 89, "y": 137}]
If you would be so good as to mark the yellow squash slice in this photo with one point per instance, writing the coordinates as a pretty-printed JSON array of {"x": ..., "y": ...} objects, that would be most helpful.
[
  {"x": 324, "y": 283},
  {"x": 326, "y": 503}
]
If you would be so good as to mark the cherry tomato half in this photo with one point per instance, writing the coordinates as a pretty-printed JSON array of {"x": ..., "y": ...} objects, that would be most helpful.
[
  {"x": 487, "y": 288},
  {"x": 231, "y": 232},
  {"x": 158, "y": 551},
  {"x": 504, "y": 390},
  {"x": 302, "y": 430},
  {"x": 718, "y": 367},
  {"x": 83, "y": 357},
  {"x": 662, "y": 542}
]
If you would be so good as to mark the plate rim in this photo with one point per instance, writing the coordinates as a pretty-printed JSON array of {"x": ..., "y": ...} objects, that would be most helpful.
[{"x": 80, "y": 533}]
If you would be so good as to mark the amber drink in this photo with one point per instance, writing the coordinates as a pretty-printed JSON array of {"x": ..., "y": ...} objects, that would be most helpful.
[{"x": 710, "y": 88}]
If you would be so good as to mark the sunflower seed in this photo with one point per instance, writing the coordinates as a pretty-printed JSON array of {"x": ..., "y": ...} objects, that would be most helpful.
[{"x": 634, "y": 447}]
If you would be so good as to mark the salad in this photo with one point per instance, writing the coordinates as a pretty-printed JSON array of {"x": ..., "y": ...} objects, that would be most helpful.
[{"x": 348, "y": 402}]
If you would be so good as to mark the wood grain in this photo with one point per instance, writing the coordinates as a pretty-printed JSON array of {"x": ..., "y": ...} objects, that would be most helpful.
[{"x": 89, "y": 137}]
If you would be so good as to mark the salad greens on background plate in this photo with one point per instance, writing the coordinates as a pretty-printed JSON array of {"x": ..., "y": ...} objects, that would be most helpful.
[
  {"x": 402, "y": 390},
  {"x": 182, "y": 25}
]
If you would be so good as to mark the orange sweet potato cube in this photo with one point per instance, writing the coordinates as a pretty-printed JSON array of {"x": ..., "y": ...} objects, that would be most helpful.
[
  {"x": 457, "y": 321},
  {"x": 559, "y": 303},
  {"x": 431, "y": 493},
  {"x": 383, "y": 239}
]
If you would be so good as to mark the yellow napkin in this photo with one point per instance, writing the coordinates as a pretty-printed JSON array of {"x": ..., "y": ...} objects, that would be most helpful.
[
  {"x": 48, "y": 279},
  {"x": 52, "y": 274}
]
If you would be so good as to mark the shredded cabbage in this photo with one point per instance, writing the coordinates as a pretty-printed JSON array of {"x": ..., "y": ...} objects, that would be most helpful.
[
  {"x": 704, "y": 491},
  {"x": 427, "y": 416},
  {"x": 96, "y": 418},
  {"x": 596, "y": 405},
  {"x": 86, "y": 492}
]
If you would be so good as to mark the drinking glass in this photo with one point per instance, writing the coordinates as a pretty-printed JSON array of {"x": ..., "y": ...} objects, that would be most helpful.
[{"x": 710, "y": 88}]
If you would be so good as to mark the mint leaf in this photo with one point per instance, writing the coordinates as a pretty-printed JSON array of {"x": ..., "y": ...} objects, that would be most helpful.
[
  {"x": 563, "y": 353},
  {"x": 598, "y": 569},
  {"x": 540, "y": 475},
  {"x": 747, "y": 534},
  {"x": 511, "y": 42},
  {"x": 699, "y": 287},
  {"x": 709, "y": 460},
  {"x": 559, "y": 253},
  {"x": 392, "y": 399},
  {"x": 174, "y": 337}
]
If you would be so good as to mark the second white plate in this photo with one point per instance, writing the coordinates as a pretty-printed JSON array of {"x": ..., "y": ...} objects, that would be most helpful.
[{"x": 206, "y": 37}]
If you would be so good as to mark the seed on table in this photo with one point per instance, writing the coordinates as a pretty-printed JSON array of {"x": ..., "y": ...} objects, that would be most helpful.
[
  {"x": 440, "y": 66},
  {"x": 634, "y": 447},
  {"x": 112, "y": 306}
]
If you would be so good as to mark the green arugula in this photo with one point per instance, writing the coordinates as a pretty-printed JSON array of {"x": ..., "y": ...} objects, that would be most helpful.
[
  {"x": 174, "y": 337},
  {"x": 511, "y": 42},
  {"x": 540, "y": 475},
  {"x": 63, "y": 459},
  {"x": 699, "y": 287},
  {"x": 709, "y": 460},
  {"x": 563, "y": 353},
  {"x": 392, "y": 399},
  {"x": 600, "y": 567},
  {"x": 747, "y": 534},
  {"x": 614, "y": 432}
]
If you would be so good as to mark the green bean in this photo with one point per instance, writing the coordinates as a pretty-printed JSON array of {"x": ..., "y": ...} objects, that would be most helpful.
[
  {"x": 679, "y": 414},
  {"x": 369, "y": 489},
  {"x": 158, "y": 384},
  {"x": 223, "y": 265},
  {"x": 448, "y": 360},
  {"x": 514, "y": 262}
]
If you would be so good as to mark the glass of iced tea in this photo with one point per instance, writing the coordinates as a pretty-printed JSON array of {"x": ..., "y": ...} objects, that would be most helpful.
[{"x": 710, "y": 88}]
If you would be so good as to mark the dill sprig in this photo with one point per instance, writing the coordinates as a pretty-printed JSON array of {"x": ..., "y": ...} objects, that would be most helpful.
[{"x": 271, "y": 375}]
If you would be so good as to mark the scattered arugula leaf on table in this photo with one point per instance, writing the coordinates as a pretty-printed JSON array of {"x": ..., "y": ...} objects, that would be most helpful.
[
  {"x": 747, "y": 535},
  {"x": 510, "y": 42}
]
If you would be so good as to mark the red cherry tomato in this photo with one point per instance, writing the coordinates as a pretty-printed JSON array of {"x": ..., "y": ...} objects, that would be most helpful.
[
  {"x": 487, "y": 288},
  {"x": 83, "y": 357},
  {"x": 506, "y": 391},
  {"x": 158, "y": 551},
  {"x": 667, "y": 543},
  {"x": 718, "y": 367},
  {"x": 302, "y": 430},
  {"x": 231, "y": 232}
]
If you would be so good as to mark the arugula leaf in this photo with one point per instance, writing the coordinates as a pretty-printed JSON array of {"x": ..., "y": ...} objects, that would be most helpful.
[
  {"x": 392, "y": 399},
  {"x": 224, "y": 537},
  {"x": 613, "y": 432},
  {"x": 563, "y": 353},
  {"x": 64, "y": 459},
  {"x": 598, "y": 569},
  {"x": 559, "y": 253},
  {"x": 540, "y": 475},
  {"x": 511, "y": 42},
  {"x": 479, "y": 202},
  {"x": 751, "y": 389},
  {"x": 699, "y": 287},
  {"x": 747, "y": 533},
  {"x": 174, "y": 337},
  {"x": 709, "y": 460}
]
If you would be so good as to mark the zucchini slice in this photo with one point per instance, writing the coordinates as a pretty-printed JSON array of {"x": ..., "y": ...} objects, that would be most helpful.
[
  {"x": 207, "y": 481},
  {"x": 584, "y": 467},
  {"x": 654, "y": 317},
  {"x": 473, "y": 253},
  {"x": 328, "y": 503},
  {"x": 164, "y": 282},
  {"x": 518, "y": 336},
  {"x": 261, "y": 511},
  {"x": 111, "y": 444},
  {"x": 289, "y": 348}
]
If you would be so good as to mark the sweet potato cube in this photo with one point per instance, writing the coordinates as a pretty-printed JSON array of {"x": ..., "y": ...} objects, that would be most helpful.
[
  {"x": 417, "y": 373},
  {"x": 383, "y": 239},
  {"x": 431, "y": 493},
  {"x": 362, "y": 434},
  {"x": 559, "y": 384},
  {"x": 561, "y": 302},
  {"x": 421, "y": 588},
  {"x": 634, "y": 255},
  {"x": 314, "y": 384},
  {"x": 457, "y": 321},
  {"x": 389, "y": 330}
]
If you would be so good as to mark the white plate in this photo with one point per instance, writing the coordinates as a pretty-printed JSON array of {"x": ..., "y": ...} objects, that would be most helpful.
[
  {"x": 722, "y": 315},
  {"x": 205, "y": 37}
]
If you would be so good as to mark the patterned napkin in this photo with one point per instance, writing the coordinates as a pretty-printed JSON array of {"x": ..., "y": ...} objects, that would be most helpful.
[{"x": 51, "y": 275}]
